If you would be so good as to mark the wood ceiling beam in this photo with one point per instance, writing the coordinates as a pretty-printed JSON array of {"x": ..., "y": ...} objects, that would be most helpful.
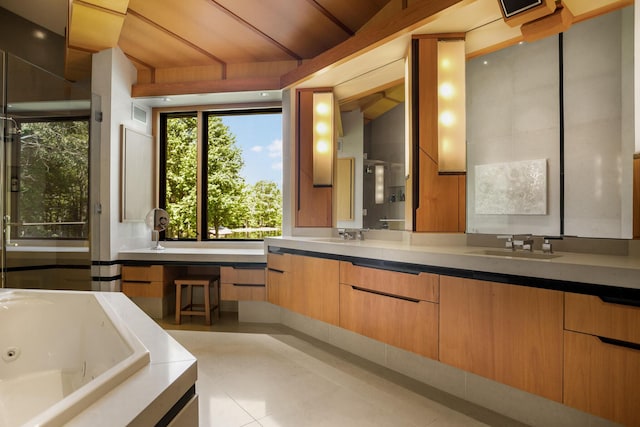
[
  {"x": 176, "y": 36},
  {"x": 208, "y": 86},
  {"x": 256, "y": 30},
  {"x": 99, "y": 8},
  {"x": 92, "y": 27},
  {"x": 414, "y": 16},
  {"x": 330, "y": 16}
]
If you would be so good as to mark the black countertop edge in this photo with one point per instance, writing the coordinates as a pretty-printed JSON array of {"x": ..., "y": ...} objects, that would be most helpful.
[
  {"x": 48, "y": 267},
  {"x": 606, "y": 291}
]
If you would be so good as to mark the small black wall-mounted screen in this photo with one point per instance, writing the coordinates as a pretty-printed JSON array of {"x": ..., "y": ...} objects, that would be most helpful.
[{"x": 513, "y": 7}]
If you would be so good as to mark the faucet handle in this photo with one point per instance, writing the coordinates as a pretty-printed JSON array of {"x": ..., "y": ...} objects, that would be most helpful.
[
  {"x": 547, "y": 247},
  {"x": 509, "y": 240},
  {"x": 360, "y": 233}
]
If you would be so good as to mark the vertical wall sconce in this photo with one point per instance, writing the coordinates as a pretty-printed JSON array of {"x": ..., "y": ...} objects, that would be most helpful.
[
  {"x": 323, "y": 139},
  {"x": 379, "y": 184},
  {"x": 452, "y": 154}
]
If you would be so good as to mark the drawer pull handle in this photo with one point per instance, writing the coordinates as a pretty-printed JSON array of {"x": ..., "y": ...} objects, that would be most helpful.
[
  {"x": 382, "y": 265},
  {"x": 276, "y": 270},
  {"x": 248, "y": 285},
  {"x": 619, "y": 343},
  {"x": 384, "y": 294},
  {"x": 622, "y": 301},
  {"x": 142, "y": 282}
]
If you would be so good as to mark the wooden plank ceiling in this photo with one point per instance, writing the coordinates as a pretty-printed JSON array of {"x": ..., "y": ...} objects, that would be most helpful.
[
  {"x": 184, "y": 40},
  {"x": 217, "y": 46}
]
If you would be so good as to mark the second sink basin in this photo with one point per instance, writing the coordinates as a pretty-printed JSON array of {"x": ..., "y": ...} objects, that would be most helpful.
[{"x": 516, "y": 254}]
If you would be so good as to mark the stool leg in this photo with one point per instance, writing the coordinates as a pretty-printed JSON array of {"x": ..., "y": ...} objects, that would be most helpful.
[
  {"x": 190, "y": 297},
  {"x": 216, "y": 304},
  {"x": 178, "y": 303},
  {"x": 207, "y": 304}
]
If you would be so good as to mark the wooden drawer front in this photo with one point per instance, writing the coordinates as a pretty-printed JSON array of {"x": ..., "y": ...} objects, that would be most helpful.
[
  {"x": 409, "y": 325},
  {"x": 423, "y": 286},
  {"x": 277, "y": 284},
  {"x": 152, "y": 273},
  {"x": 144, "y": 289},
  {"x": 279, "y": 262},
  {"x": 242, "y": 276},
  {"x": 601, "y": 378},
  {"x": 231, "y": 292},
  {"x": 592, "y": 315}
]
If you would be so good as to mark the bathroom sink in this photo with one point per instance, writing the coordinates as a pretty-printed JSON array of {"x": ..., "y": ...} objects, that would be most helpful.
[
  {"x": 515, "y": 254},
  {"x": 335, "y": 240}
]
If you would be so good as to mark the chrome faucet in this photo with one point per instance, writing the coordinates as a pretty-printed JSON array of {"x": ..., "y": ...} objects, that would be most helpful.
[
  {"x": 508, "y": 244},
  {"x": 346, "y": 234},
  {"x": 360, "y": 233},
  {"x": 524, "y": 242}
]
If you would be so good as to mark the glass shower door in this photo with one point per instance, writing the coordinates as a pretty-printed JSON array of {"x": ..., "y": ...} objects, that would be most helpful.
[{"x": 45, "y": 178}]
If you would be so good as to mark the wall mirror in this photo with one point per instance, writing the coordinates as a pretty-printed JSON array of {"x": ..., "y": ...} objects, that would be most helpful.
[
  {"x": 571, "y": 92},
  {"x": 372, "y": 143}
]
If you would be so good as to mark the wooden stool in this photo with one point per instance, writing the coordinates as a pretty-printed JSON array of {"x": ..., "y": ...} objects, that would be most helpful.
[{"x": 198, "y": 309}]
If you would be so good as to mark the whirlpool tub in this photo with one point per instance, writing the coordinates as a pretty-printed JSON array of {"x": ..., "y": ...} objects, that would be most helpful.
[{"x": 60, "y": 352}]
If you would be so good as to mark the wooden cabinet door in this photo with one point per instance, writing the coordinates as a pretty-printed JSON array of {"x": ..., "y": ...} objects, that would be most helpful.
[
  {"x": 408, "y": 324},
  {"x": 602, "y": 377},
  {"x": 278, "y": 277},
  {"x": 277, "y": 282},
  {"x": 511, "y": 334},
  {"x": 313, "y": 204},
  {"x": 315, "y": 291}
]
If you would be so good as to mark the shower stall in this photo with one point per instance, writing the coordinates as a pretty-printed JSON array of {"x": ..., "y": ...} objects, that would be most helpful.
[{"x": 46, "y": 199}]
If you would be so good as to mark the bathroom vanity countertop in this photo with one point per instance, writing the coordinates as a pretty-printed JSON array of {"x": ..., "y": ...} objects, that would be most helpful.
[
  {"x": 150, "y": 392},
  {"x": 610, "y": 270},
  {"x": 231, "y": 254}
]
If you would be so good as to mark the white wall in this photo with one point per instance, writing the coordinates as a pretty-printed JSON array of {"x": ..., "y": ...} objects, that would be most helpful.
[{"x": 112, "y": 77}]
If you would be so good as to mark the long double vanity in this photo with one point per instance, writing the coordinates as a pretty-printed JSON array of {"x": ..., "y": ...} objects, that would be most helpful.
[{"x": 563, "y": 328}]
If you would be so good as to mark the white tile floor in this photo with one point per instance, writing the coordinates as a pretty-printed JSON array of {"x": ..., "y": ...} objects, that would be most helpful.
[{"x": 268, "y": 375}]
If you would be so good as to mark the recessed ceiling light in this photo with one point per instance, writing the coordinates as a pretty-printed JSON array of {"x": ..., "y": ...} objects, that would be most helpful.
[{"x": 39, "y": 34}]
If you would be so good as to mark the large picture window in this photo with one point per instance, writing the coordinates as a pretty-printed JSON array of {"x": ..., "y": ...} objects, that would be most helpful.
[
  {"x": 49, "y": 179},
  {"x": 222, "y": 174}
]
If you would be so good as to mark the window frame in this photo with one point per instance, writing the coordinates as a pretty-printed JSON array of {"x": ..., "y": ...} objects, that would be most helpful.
[{"x": 202, "y": 117}]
